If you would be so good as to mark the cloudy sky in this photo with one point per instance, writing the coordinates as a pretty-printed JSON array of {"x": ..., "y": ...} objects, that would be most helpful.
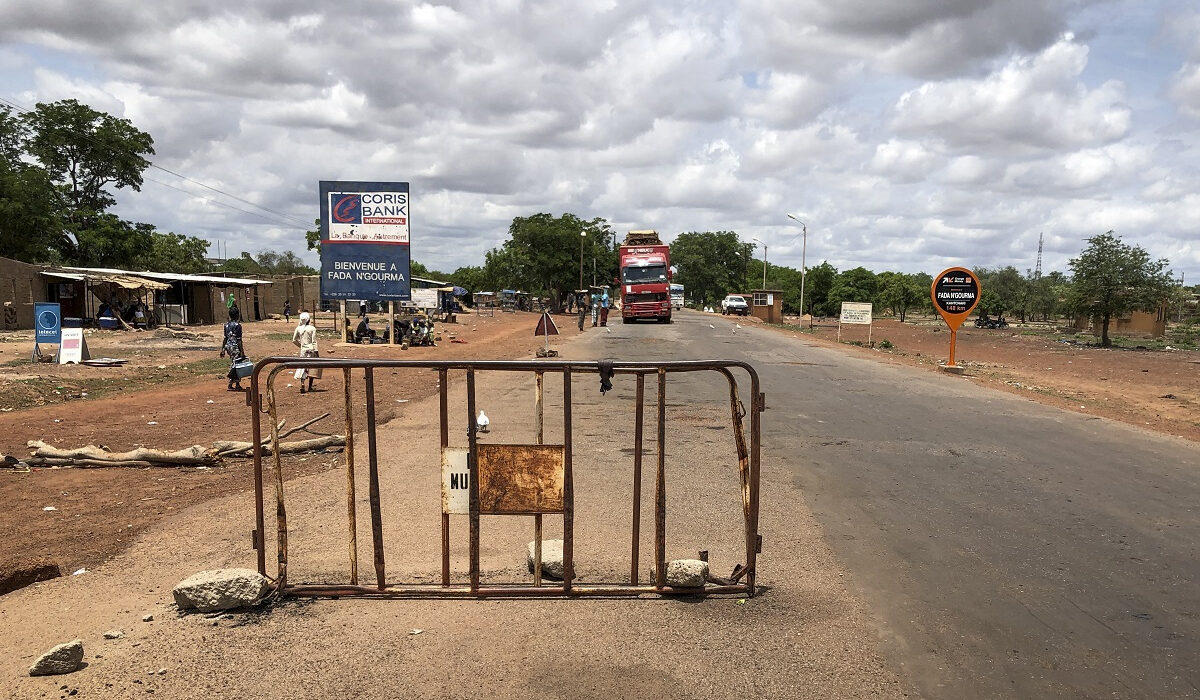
[{"x": 909, "y": 135}]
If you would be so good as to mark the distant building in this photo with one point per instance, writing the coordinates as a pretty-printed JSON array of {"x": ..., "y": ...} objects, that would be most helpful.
[
  {"x": 171, "y": 297},
  {"x": 1151, "y": 323}
]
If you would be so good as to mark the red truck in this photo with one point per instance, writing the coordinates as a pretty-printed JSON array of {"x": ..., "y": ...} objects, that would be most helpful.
[{"x": 645, "y": 277}]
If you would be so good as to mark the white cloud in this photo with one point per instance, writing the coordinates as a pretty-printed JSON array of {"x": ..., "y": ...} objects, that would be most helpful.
[
  {"x": 908, "y": 133},
  {"x": 1032, "y": 103},
  {"x": 1184, "y": 89},
  {"x": 905, "y": 161}
]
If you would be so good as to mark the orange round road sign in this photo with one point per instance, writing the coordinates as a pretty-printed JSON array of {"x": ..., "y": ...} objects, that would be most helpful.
[{"x": 955, "y": 292}]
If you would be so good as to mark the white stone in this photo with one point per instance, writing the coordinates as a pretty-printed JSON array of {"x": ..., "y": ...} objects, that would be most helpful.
[
  {"x": 687, "y": 573},
  {"x": 114, "y": 634},
  {"x": 552, "y": 558},
  {"x": 220, "y": 589},
  {"x": 64, "y": 658}
]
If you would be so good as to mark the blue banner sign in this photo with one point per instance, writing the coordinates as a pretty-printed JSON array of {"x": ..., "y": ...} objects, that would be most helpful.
[
  {"x": 365, "y": 240},
  {"x": 47, "y": 322}
]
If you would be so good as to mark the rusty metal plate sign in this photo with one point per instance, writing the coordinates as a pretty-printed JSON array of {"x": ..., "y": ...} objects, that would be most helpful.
[
  {"x": 456, "y": 481},
  {"x": 520, "y": 479}
]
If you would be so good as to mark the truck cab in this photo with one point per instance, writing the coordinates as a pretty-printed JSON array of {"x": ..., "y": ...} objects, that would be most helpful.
[{"x": 645, "y": 278}]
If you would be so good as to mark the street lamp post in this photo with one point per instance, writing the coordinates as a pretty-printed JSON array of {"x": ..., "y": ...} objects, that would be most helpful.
[
  {"x": 803, "y": 268},
  {"x": 582, "y": 235},
  {"x": 764, "y": 245}
]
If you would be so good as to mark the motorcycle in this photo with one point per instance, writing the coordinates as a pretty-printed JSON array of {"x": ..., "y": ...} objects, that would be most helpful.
[{"x": 992, "y": 323}]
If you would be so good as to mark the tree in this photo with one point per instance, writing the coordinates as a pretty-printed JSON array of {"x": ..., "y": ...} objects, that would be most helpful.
[
  {"x": 419, "y": 270},
  {"x": 85, "y": 152},
  {"x": 267, "y": 262},
  {"x": 110, "y": 241},
  {"x": 313, "y": 237},
  {"x": 923, "y": 281},
  {"x": 710, "y": 264},
  {"x": 285, "y": 263},
  {"x": 989, "y": 303},
  {"x": 172, "y": 252},
  {"x": 1112, "y": 279},
  {"x": 30, "y": 226},
  {"x": 542, "y": 254},
  {"x": 469, "y": 278},
  {"x": 1045, "y": 295},
  {"x": 1008, "y": 290},
  {"x": 859, "y": 284},
  {"x": 817, "y": 284},
  {"x": 898, "y": 291}
]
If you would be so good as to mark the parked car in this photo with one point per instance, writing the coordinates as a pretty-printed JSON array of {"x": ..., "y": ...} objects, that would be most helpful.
[{"x": 735, "y": 304}]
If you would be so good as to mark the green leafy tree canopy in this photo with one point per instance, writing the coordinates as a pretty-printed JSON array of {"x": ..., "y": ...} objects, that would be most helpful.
[
  {"x": 858, "y": 284},
  {"x": 86, "y": 151},
  {"x": 710, "y": 264},
  {"x": 1112, "y": 278}
]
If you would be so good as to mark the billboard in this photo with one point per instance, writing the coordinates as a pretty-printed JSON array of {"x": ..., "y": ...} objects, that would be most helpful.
[
  {"x": 365, "y": 240},
  {"x": 47, "y": 316},
  {"x": 855, "y": 312}
]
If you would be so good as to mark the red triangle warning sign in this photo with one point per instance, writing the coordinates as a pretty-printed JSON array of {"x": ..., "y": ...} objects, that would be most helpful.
[{"x": 546, "y": 325}]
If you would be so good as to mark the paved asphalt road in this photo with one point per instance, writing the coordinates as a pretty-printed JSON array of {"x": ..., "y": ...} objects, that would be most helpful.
[{"x": 1005, "y": 548}]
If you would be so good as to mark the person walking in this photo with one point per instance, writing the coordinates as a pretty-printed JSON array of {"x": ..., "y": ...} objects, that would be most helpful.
[
  {"x": 604, "y": 309},
  {"x": 232, "y": 346},
  {"x": 305, "y": 338},
  {"x": 287, "y": 310}
]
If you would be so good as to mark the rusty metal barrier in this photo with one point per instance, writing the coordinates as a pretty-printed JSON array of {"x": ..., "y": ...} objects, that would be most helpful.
[{"x": 552, "y": 465}]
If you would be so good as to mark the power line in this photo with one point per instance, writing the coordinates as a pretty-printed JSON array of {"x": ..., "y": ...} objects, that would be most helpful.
[
  {"x": 288, "y": 218},
  {"x": 219, "y": 203},
  {"x": 297, "y": 220}
]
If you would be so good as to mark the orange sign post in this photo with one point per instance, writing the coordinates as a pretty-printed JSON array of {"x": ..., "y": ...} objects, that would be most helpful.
[{"x": 955, "y": 292}]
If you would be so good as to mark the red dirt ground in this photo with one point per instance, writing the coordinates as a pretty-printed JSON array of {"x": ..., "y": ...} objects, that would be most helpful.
[
  {"x": 170, "y": 381},
  {"x": 1157, "y": 390},
  {"x": 179, "y": 386}
]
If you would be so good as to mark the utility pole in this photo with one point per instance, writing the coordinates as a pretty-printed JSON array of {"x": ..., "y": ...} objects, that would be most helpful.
[
  {"x": 803, "y": 265},
  {"x": 582, "y": 235},
  {"x": 764, "y": 285},
  {"x": 764, "y": 245}
]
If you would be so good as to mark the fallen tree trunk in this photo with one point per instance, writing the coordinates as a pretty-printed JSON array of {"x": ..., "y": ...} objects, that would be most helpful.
[
  {"x": 240, "y": 449},
  {"x": 194, "y": 455},
  {"x": 60, "y": 462}
]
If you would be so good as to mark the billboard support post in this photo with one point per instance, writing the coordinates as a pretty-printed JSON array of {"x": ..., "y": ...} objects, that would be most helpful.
[{"x": 391, "y": 326}]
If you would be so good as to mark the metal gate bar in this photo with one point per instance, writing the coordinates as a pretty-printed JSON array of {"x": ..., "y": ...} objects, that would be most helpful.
[
  {"x": 748, "y": 464},
  {"x": 638, "y": 418}
]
